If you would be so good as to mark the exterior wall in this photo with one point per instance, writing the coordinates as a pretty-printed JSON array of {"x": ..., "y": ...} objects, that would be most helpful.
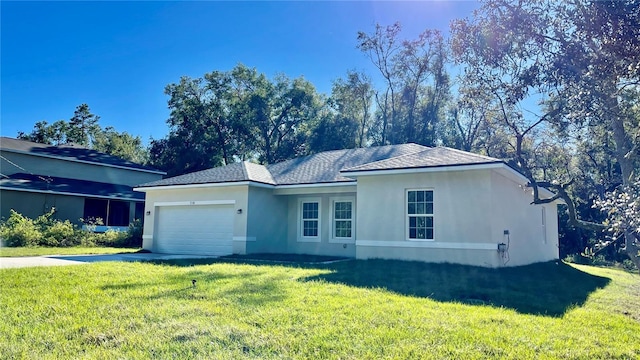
[
  {"x": 325, "y": 245},
  {"x": 33, "y": 205},
  {"x": 472, "y": 209},
  {"x": 462, "y": 230},
  {"x": 266, "y": 221},
  {"x": 76, "y": 170},
  {"x": 194, "y": 196},
  {"x": 529, "y": 240}
]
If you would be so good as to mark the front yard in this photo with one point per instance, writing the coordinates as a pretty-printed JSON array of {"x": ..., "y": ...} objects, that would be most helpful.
[{"x": 344, "y": 310}]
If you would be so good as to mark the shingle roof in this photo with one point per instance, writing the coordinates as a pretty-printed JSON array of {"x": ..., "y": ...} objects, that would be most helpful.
[
  {"x": 329, "y": 166},
  {"x": 69, "y": 152},
  {"x": 30, "y": 182},
  {"x": 236, "y": 172},
  {"x": 431, "y": 157},
  {"x": 325, "y": 167}
]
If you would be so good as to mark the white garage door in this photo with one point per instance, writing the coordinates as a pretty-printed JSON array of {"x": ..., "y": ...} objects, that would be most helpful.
[{"x": 194, "y": 230}]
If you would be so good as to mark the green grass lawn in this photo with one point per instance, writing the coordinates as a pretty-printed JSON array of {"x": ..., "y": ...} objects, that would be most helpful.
[
  {"x": 40, "y": 251},
  {"x": 344, "y": 310}
]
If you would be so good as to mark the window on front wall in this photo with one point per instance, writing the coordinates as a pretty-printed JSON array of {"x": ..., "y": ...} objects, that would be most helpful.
[
  {"x": 420, "y": 214},
  {"x": 310, "y": 218},
  {"x": 343, "y": 219}
]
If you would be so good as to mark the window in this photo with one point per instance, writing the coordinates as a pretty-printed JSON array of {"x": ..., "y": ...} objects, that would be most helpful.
[
  {"x": 342, "y": 219},
  {"x": 310, "y": 219},
  {"x": 106, "y": 212},
  {"x": 420, "y": 214}
]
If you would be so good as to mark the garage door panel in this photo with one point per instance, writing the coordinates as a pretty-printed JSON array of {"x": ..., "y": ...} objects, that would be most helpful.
[{"x": 195, "y": 230}]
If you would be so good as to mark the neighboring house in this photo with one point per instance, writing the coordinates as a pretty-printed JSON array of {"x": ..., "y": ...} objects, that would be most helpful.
[
  {"x": 77, "y": 182},
  {"x": 406, "y": 202}
]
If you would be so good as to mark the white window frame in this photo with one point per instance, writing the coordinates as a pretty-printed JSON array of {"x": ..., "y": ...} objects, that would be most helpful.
[
  {"x": 343, "y": 240},
  {"x": 408, "y": 216},
  {"x": 301, "y": 236}
]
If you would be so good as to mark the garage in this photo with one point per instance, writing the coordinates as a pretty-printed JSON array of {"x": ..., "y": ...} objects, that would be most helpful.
[{"x": 194, "y": 229}]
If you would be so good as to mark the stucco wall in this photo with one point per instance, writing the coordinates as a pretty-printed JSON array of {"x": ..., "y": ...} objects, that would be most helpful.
[
  {"x": 266, "y": 221},
  {"x": 472, "y": 208},
  {"x": 326, "y": 245},
  {"x": 33, "y": 205},
  {"x": 512, "y": 210},
  {"x": 75, "y": 170},
  {"x": 196, "y": 195}
]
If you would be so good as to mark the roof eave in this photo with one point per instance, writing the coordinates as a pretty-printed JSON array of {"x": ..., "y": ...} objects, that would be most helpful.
[
  {"x": 423, "y": 169},
  {"x": 202, "y": 185}
]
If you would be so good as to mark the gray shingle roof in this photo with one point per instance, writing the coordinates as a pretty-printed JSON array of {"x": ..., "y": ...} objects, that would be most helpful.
[
  {"x": 70, "y": 152},
  {"x": 431, "y": 157},
  {"x": 325, "y": 167},
  {"x": 30, "y": 182},
  {"x": 329, "y": 166}
]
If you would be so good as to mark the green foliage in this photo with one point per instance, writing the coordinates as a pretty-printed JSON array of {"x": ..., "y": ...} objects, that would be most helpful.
[
  {"x": 224, "y": 117},
  {"x": 83, "y": 129},
  {"x": 45, "y": 230},
  {"x": 19, "y": 231},
  {"x": 622, "y": 207},
  {"x": 416, "y": 92},
  {"x": 59, "y": 233}
]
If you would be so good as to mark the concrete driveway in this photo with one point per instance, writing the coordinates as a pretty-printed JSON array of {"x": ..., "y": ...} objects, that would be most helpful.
[{"x": 61, "y": 260}]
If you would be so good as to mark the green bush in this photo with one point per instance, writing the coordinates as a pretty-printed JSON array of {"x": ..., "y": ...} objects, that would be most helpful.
[
  {"x": 19, "y": 230},
  {"x": 111, "y": 238},
  {"x": 59, "y": 233}
]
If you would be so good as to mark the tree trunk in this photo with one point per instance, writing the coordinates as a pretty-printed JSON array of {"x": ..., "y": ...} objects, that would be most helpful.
[{"x": 623, "y": 156}]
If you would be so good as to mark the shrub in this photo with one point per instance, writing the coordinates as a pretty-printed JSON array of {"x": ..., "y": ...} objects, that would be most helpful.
[
  {"x": 577, "y": 259},
  {"x": 19, "y": 230},
  {"x": 111, "y": 238},
  {"x": 59, "y": 233}
]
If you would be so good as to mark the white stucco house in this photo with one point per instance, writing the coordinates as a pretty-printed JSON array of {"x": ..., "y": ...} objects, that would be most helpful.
[{"x": 406, "y": 202}]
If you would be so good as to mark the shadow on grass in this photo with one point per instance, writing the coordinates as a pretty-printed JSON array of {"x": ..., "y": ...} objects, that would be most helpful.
[
  {"x": 547, "y": 288},
  {"x": 550, "y": 288}
]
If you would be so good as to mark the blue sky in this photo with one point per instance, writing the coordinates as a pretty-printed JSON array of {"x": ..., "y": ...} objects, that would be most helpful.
[{"x": 118, "y": 56}]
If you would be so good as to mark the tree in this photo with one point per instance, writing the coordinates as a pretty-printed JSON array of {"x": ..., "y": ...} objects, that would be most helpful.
[
  {"x": 416, "y": 92},
  {"x": 623, "y": 216},
  {"x": 83, "y": 126},
  {"x": 193, "y": 142},
  {"x": 123, "y": 145},
  {"x": 381, "y": 47},
  {"x": 277, "y": 114},
  {"x": 236, "y": 115},
  {"x": 578, "y": 58},
  {"x": 352, "y": 100}
]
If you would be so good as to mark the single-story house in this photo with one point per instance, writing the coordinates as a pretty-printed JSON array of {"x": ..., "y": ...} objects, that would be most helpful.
[
  {"x": 78, "y": 182},
  {"x": 406, "y": 202}
]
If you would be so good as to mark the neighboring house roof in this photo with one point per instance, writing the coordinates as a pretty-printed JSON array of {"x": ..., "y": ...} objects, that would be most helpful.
[
  {"x": 66, "y": 186},
  {"x": 71, "y": 152},
  {"x": 329, "y": 166}
]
